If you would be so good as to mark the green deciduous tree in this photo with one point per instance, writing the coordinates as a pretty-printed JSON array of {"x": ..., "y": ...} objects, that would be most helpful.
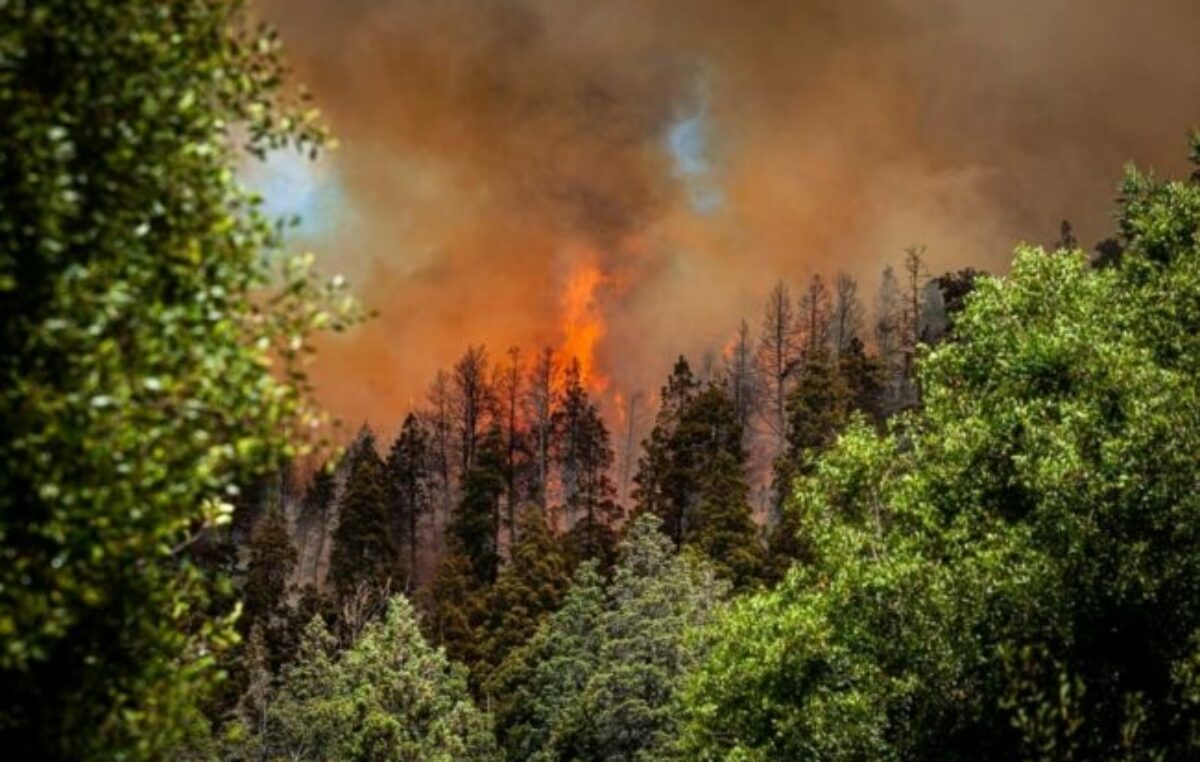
[
  {"x": 1011, "y": 573},
  {"x": 148, "y": 366}
]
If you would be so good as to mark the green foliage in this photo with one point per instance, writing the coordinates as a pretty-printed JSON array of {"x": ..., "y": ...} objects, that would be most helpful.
[
  {"x": 390, "y": 696},
  {"x": 530, "y": 586},
  {"x": 456, "y": 607},
  {"x": 364, "y": 549},
  {"x": 535, "y": 685},
  {"x": 475, "y": 524},
  {"x": 410, "y": 482},
  {"x": 693, "y": 477},
  {"x": 724, "y": 529},
  {"x": 657, "y": 490},
  {"x": 272, "y": 559},
  {"x": 148, "y": 363},
  {"x": 585, "y": 457},
  {"x": 599, "y": 679},
  {"x": 1012, "y": 573}
]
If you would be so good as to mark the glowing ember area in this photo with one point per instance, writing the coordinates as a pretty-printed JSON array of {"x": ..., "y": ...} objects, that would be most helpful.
[{"x": 583, "y": 322}]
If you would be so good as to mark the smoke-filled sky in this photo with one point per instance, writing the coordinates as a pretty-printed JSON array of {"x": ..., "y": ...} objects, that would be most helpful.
[{"x": 672, "y": 159}]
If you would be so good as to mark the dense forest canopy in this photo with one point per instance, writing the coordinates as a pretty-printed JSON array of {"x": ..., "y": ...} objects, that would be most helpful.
[{"x": 953, "y": 517}]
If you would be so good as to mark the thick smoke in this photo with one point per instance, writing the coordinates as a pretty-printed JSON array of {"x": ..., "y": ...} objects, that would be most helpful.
[{"x": 698, "y": 150}]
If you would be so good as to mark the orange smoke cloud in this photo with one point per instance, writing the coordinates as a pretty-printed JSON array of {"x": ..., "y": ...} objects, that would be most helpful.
[{"x": 627, "y": 179}]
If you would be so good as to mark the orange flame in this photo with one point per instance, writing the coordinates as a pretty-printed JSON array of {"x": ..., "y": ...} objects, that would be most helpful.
[{"x": 583, "y": 322}]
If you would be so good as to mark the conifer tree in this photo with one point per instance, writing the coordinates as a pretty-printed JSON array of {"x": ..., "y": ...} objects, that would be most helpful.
[
  {"x": 389, "y": 696},
  {"x": 599, "y": 679},
  {"x": 410, "y": 477},
  {"x": 724, "y": 526},
  {"x": 741, "y": 379},
  {"x": 778, "y": 351},
  {"x": 530, "y": 586},
  {"x": 265, "y": 603},
  {"x": 456, "y": 607},
  {"x": 846, "y": 317},
  {"x": 541, "y": 401},
  {"x": 657, "y": 489},
  {"x": 312, "y": 523},
  {"x": 863, "y": 377},
  {"x": 818, "y": 409},
  {"x": 475, "y": 524},
  {"x": 510, "y": 392},
  {"x": 693, "y": 475},
  {"x": 889, "y": 336},
  {"x": 364, "y": 551},
  {"x": 536, "y": 687},
  {"x": 628, "y": 710},
  {"x": 473, "y": 403},
  {"x": 815, "y": 318},
  {"x": 585, "y": 459}
]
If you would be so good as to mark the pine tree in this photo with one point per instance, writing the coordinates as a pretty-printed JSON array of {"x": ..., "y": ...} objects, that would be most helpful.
[
  {"x": 312, "y": 524},
  {"x": 707, "y": 429},
  {"x": 530, "y": 586},
  {"x": 741, "y": 380},
  {"x": 537, "y": 686},
  {"x": 846, "y": 317},
  {"x": 473, "y": 403},
  {"x": 863, "y": 376},
  {"x": 889, "y": 337},
  {"x": 601, "y": 678},
  {"x": 628, "y": 709},
  {"x": 914, "y": 281},
  {"x": 541, "y": 403},
  {"x": 724, "y": 526},
  {"x": 265, "y": 603},
  {"x": 475, "y": 524},
  {"x": 693, "y": 475},
  {"x": 456, "y": 606},
  {"x": 510, "y": 392},
  {"x": 389, "y": 696},
  {"x": 410, "y": 479},
  {"x": 657, "y": 490},
  {"x": 778, "y": 351},
  {"x": 818, "y": 408},
  {"x": 585, "y": 459},
  {"x": 364, "y": 552},
  {"x": 815, "y": 317}
]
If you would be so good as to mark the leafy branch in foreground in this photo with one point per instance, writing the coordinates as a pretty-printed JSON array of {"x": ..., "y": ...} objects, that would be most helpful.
[{"x": 151, "y": 360}]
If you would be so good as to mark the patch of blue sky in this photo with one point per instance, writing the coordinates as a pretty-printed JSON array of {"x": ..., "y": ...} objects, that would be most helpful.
[
  {"x": 688, "y": 143},
  {"x": 686, "y": 139},
  {"x": 292, "y": 185}
]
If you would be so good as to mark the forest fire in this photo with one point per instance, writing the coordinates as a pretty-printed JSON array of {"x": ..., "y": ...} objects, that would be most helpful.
[
  {"x": 949, "y": 514},
  {"x": 583, "y": 322}
]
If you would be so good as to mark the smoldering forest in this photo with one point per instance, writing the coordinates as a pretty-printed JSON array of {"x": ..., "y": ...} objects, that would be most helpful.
[{"x": 686, "y": 156}]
